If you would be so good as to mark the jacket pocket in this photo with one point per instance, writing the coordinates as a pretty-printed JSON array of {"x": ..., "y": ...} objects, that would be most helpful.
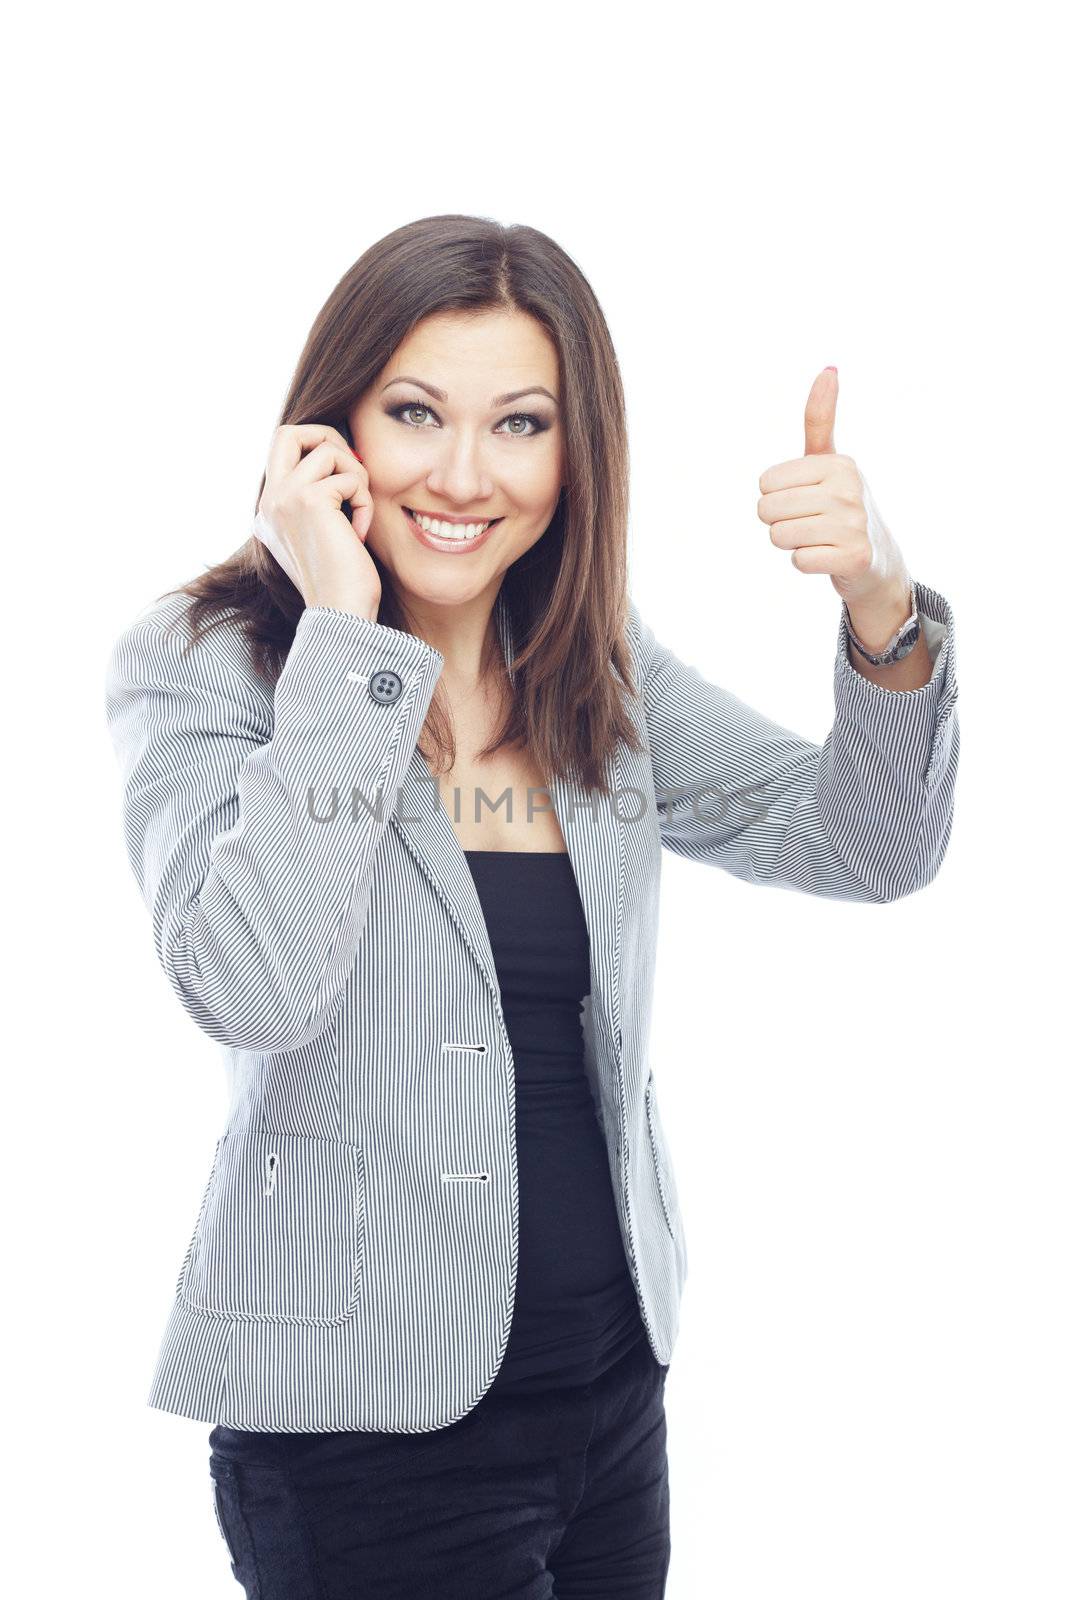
[
  {"x": 661, "y": 1157},
  {"x": 279, "y": 1237}
]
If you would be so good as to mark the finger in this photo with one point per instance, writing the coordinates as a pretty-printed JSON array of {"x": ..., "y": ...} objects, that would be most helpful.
[
  {"x": 324, "y": 460},
  {"x": 291, "y": 441},
  {"x": 824, "y": 558},
  {"x": 351, "y": 485},
  {"x": 787, "y": 503},
  {"x": 799, "y": 532},
  {"x": 796, "y": 474},
  {"x": 355, "y": 492},
  {"x": 819, "y": 414},
  {"x": 362, "y": 517}
]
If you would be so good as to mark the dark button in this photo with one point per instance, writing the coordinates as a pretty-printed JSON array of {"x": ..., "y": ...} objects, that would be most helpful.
[{"x": 385, "y": 687}]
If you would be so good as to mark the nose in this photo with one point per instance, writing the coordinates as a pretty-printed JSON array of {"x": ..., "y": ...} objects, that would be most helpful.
[{"x": 458, "y": 473}]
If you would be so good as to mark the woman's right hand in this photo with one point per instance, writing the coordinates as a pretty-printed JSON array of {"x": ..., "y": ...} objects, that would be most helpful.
[{"x": 302, "y": 525}]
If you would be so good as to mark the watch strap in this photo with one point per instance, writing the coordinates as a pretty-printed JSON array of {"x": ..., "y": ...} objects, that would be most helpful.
[{"x": 900, "y": 645}]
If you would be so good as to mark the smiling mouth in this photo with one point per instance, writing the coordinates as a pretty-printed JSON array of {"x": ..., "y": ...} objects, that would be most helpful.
[{"x": 456, "y": 532}]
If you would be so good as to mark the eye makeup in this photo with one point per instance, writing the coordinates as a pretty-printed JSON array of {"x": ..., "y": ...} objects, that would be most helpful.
[{"x": 541, "y": 423}]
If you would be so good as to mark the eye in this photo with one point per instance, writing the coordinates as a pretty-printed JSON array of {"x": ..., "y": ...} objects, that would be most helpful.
[
  {"x": 537, "y": 424},
  {"x": 410, "y": 405}
]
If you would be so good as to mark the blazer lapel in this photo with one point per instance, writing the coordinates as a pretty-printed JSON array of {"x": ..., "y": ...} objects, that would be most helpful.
[{"x": 593, "y": 836}]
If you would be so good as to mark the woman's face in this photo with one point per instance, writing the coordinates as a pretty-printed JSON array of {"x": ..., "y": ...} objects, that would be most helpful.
[{"x": 463, "y": 424}]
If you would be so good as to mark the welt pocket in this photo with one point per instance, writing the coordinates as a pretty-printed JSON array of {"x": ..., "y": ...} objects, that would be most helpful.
[{"x": 279, "y": 1237}]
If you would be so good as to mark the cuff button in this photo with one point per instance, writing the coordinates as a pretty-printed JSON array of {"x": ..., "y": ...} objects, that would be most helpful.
[{"x": 385, "y": 687}]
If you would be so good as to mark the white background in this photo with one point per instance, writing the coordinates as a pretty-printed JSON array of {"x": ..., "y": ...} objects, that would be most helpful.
[{"x": 868, "y": 1394}]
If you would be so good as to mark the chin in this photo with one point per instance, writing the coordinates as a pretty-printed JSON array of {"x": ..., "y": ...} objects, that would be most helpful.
[{"x": 438, "y": 588}]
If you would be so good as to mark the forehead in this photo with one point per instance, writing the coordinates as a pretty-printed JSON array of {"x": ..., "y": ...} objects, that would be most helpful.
[{"x": 491, "y": 350}]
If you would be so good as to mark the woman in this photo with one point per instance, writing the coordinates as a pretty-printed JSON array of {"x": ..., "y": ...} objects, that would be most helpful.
[{"x": 434, "y": 1000}]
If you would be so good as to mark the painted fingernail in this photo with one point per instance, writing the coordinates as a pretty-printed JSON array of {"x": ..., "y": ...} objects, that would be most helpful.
[
  {"x": 829, "y": 369},
  {"x": 357, "y": 455}
]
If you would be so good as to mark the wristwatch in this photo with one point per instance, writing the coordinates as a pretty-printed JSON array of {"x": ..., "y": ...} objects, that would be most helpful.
[{"x": 900, "y": 645}]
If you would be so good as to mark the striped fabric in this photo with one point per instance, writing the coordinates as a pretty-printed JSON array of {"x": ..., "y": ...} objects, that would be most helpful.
[{"x": 352, "y": 1265}]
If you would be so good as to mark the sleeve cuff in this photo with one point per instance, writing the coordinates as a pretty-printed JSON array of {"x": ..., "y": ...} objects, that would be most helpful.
[
  {"x": 366, "y": 638},
  {"x": 936, "y": 621},
  {"x": 916, "y": 725}
]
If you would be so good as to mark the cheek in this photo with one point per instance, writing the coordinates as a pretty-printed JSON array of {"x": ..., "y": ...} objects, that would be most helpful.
[
  {"x": 526, "y": 541},
  {"x": 532, "y": 484},
  {"x": 391, "y": 467},
  {"x": 378, "y": 436}
]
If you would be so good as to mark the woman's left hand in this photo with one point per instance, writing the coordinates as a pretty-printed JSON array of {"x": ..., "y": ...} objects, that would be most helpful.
[{"x": 820, "y": 508}]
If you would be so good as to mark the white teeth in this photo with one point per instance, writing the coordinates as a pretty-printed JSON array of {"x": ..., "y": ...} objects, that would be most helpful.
[{"x": 450, "y": 530}]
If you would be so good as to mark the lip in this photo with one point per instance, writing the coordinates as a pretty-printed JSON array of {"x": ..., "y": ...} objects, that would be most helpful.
[{"x": 450, "y": 547}]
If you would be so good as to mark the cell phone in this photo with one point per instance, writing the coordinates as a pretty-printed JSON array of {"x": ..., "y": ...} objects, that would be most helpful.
[{"x": 346, "y": 433}]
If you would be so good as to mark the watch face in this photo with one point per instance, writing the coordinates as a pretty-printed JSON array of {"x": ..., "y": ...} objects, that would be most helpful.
[{"x": 907, "y": 640}]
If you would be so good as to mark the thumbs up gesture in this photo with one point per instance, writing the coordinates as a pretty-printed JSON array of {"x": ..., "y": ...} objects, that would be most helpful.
[{"x": 820, "y": 508}]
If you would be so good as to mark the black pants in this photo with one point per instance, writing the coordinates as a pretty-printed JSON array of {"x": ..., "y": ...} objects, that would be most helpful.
[{"x": 562, "y": 1493}]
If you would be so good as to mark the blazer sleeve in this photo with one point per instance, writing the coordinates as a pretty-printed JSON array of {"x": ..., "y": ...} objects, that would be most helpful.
[
  {"x": 257, "y": 907},
  {"x": 864, "y": 816}
]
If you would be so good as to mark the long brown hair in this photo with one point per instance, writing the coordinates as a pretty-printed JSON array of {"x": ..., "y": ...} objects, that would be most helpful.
[{"x": 566, "y": 596}]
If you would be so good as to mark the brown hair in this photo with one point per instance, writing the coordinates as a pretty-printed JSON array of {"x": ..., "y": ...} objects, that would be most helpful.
[{"x": 567, "y": 595}]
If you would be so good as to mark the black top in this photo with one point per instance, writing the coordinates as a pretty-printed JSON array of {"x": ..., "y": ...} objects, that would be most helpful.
[{"x": 576, "y": 1309}]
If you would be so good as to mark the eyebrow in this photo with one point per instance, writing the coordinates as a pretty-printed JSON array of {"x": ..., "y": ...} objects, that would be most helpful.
[{"x": 499, "y": 400}]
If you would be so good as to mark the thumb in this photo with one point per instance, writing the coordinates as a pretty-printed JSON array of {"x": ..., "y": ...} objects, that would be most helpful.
[{"x": 819, "y": 414}]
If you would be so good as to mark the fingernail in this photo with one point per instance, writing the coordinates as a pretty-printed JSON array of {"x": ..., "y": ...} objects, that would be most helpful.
[
  {"x": 829, "y": 369},
  {"x": 357, "y": 455}
]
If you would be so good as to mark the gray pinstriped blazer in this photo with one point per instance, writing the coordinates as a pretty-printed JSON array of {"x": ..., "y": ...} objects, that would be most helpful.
[{"x": 353, "y": 1262}]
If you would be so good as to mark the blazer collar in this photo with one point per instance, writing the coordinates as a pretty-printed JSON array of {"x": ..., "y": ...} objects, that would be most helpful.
[{"x": 589, "y": 826}]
